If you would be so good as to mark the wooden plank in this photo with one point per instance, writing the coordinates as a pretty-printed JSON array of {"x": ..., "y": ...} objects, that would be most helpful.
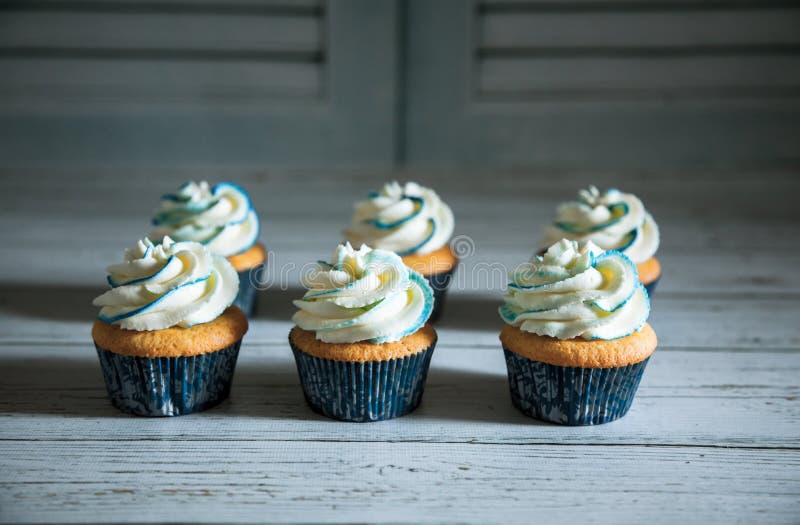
[
  {"x": 695, "y": 398},
  {"x": 716, "y": 416},
  {"x": 498, "y": 209},
  {"x": 292, "y": 482},
  {"x": 503, "y": 214},
  {"x": 109, "y": 80},
  {"x": 636, "y": 29},
  {"x": 143, "y": 5},
  {"x": 606, "y": 5},
  {"x": 562, "y": 76},
  {"x": 69, "y": 31}
]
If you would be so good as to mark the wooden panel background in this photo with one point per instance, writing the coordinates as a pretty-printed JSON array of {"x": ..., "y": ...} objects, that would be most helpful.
[
  {"x": 311, "y": 83},
  {"x": 603, "y": 83},
  {"x": 190, "y": 82}
]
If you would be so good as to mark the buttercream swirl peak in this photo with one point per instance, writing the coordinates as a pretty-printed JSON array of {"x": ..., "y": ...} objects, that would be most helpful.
[
  {"x": 220, "y": 217},
  {"x": 576, "y": 290},
  {"x": 363, "y": 295},
  {"x": 405, "y": 219},
  {"x": 613, "y": 220},
  {"x": 167, "y": 284}
]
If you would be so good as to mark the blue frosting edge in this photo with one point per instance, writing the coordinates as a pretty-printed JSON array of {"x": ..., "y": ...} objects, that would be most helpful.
[
  {"x": 140, "y": 280},
  {"x": 423, "y": 318},
  {"x": 432, "y": 224},
  {"x": 146, "y": 307},
  {"x": 391, "y": 225},
  {"x": 597, "y": 227}
]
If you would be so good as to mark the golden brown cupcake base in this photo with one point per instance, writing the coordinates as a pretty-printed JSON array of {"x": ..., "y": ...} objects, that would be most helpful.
[
  {"x": 220, "y": 333},
  {"x": 649, "y": 271},
  {"x": 249, "y": 258},
  {"x": 363, "y": 351},
  {"x": 438, "y": 261},
  {"x": 596, "y": 353}
]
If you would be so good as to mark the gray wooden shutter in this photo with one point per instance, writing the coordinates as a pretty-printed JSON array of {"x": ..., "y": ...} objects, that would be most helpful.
[
  {"x": 187, "y": 82},
  {"x": 587, "y": 82}
]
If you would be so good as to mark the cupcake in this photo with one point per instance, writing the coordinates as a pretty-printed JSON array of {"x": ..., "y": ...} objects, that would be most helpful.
[
  {"x": 223, "y": 219},
  {"x": 361, "y": 343},
  {"x": 576, "y": 340},
  {"x": 613, "y": 221},
  {"x": 166, "y": 336},
  {"x": 414, "y": 223}
]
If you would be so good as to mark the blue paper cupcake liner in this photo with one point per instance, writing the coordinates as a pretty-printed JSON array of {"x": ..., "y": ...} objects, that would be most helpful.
[
  {"x": 439, "y": 282},
  {"x": 651, "y": 286},
  {"x": 363, "y": 392},
  {"x": 247, "y": 297},
  {"x": 168, "y": 386},
  {"x": 572, "y": 395}
]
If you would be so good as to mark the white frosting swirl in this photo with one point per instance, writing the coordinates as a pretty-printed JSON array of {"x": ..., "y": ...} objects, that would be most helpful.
[
  {"x": 403, "y": 219},
  {"x": 363, "y": 295},
  {"x": 612, "y": 220},
  {"x": 577, "y": 290},
  {"x": 221, "y": 217},
  {"x": 170, "y": 284}
]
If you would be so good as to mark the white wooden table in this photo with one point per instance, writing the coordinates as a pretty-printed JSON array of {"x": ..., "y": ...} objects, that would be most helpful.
[{"x": 713, "y": 436}]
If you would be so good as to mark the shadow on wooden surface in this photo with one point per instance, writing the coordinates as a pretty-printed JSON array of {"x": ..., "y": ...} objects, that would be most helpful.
[
  {"x": 481, "y": 398},
  {"x": 49, "y": 301},
  {"x": 54, "y": 386},
  {"x": 73, "y": 387},
  {"x": 471, "y": 312},
  {"x": 276, "y": 303}
]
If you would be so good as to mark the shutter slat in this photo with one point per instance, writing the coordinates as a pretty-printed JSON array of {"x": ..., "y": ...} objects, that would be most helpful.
[
  {"x": 159, "y": 31},
  {"x": 163, "y": 80},
  {"x": 636, "y": 29},
  {"x": 617, "y": 49},
  {"x": 187, "y": 51},
  {"x": 658, "y": 76}
]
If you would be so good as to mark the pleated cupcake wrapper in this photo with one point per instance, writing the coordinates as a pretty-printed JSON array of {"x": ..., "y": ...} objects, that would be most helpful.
[
  {"x": 439, "y": 282},
  {"x": 168, "y": 386},
  {"x": 247, "y": 297},
  {"x": 572, "y": 395},
  {"x": 362, "y": 392},
  {"x": 651, "y": 286}
]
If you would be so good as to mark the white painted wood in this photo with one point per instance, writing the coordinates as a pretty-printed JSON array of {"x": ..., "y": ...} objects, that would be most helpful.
[
  {"x": 696, "y": 397},
  {"x": 386, "y": 482},
  {"x": 637, "y": 29},
  {"x": 711, "y": 438}
]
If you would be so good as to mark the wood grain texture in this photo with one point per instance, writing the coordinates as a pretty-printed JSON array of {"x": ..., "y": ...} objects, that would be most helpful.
[
  {"x": 712, "y": 436},
  {"x": 381, "y": 482}
]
